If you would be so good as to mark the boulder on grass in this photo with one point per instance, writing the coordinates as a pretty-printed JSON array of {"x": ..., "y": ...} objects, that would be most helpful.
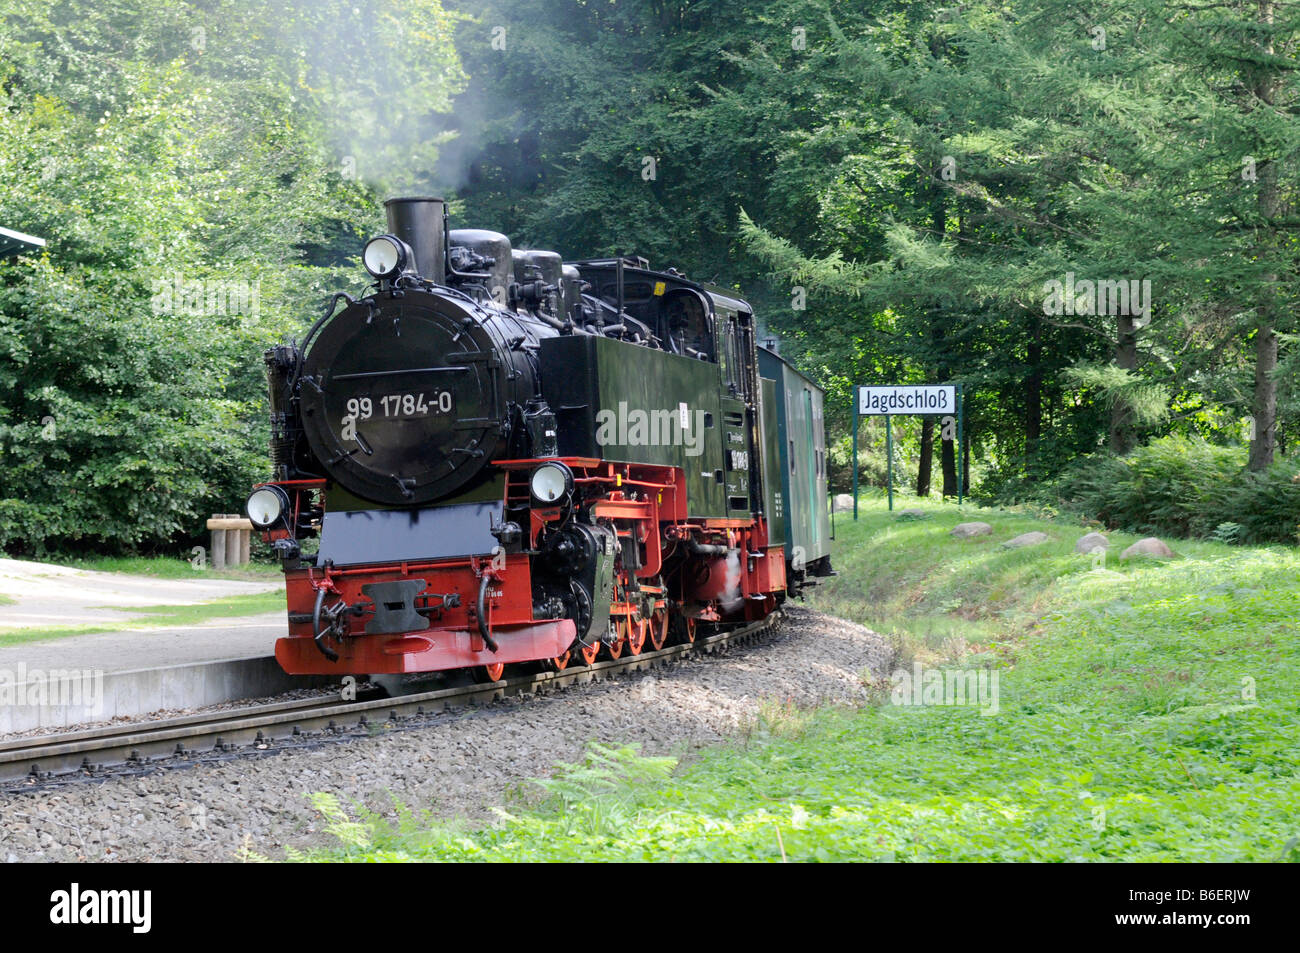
[
  {"x": 967, "y": 530},
  {"x": 1091, "y": 542},
  {"x": 1026, "y": 539},
  {"x": 843, "y": 503},
  {"x": 912, "y": 514},
  {"x": 1151, "y": 547}
]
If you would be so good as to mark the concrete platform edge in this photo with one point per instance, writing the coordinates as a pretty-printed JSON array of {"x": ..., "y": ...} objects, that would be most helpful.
[{"x": 57, "y": 697}]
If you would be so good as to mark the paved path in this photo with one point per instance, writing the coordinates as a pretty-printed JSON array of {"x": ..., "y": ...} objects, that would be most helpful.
[{"x": 50, "y": 595}]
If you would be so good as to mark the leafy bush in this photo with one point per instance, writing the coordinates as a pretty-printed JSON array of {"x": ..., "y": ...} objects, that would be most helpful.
[
  {"x": 1266, "y": 504},
  {"x": 873, "y": 466},
  {"x": 1183, "y": 486}
]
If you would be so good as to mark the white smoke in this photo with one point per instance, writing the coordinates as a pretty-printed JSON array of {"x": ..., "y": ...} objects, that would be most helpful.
[
  {"x": 380, "y": 74},
  {"x": 731, "y": 597}
]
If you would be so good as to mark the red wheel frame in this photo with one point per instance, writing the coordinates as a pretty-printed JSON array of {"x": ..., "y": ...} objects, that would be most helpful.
[
  {"x": 614, "y": 650},
  {"x": 636, "y": 632},
  {"x": 493, "y": 672},
  {"x": 657, "y": 628}
]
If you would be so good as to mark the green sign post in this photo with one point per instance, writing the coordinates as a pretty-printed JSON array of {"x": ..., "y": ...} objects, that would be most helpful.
[{"x": 916, "y": 400}]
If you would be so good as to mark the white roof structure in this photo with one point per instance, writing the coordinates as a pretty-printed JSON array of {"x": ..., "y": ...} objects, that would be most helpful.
[{"x": 15, "y": 243}]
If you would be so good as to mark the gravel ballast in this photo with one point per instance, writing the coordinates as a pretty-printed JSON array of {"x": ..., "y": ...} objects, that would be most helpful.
[{"x": 461, "y": 767}]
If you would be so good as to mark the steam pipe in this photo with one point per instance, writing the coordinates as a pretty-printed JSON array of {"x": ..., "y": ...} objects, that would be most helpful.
[
  {"x": 482, "y": 612},
  {"x": 706, "y": 549},
  {"x": 620, "y": 289},
  {"x": 302, "y": 351}
]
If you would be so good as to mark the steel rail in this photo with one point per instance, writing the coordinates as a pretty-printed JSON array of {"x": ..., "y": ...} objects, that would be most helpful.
[{"x": 39, "y": 759}]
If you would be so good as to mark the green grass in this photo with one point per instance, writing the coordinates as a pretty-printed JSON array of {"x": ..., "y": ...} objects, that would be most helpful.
[
  {"x": 1148, "y": 711},
  {"x": 172, "y": 567},
  {"x": 155, "y": 617}
]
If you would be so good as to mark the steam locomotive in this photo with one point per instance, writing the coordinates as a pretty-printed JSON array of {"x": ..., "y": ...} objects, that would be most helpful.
[{"x": 507, "y": 458}]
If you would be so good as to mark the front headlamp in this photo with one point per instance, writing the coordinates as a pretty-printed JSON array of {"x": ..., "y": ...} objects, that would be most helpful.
[
  {"x": 551, "y": 482},
  {"x": 266, "y": 506},
  {"x": 386, "y": 256}
]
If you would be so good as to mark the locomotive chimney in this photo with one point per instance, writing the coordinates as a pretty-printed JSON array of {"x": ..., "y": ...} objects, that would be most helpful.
[{"x": 420, "y": 223}]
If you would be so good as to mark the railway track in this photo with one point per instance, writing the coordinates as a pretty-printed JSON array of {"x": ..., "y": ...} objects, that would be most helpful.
[{"x": 41, "y": 760}]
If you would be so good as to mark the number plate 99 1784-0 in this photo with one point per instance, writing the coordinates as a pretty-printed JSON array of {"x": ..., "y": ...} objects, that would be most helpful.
[{"x": 418, "y": 404}]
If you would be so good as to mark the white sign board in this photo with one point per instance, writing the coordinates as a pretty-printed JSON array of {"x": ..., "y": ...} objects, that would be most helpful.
[{"x": 908, "y": 399}]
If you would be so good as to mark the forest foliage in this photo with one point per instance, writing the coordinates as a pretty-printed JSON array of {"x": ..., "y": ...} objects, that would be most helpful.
[
  {"x": 185, "y": 163},
  {"x": 1087, "y": 218}
]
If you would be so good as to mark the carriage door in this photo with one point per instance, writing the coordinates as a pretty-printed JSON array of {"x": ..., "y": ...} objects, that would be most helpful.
[{"x": 738, "y": 361}]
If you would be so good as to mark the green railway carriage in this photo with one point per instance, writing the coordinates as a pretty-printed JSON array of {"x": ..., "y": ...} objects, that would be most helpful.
[{"x": 801, "y": 440}]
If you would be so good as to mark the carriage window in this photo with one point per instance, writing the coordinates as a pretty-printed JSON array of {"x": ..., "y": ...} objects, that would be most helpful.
[
  {"x": 724, "y": 348},
  {"x": 632, "y": 291},
  {"x": 745, "y": 355},
  {"x": 728, "y": 353},
  {"x": 686, "y": 326}
]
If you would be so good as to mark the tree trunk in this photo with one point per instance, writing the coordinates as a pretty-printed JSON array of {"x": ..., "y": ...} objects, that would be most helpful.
[
  {"x": 1122, "y": 435},
  {"x": 1034, "y": 392},
  {"x": 1264, "y": 439},
  {"x": 948, "y": 460},
  {"x": 939, "y": 223},
  {"x": 927, "y": 457},
  {"x": 1264, "y": 407}
]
